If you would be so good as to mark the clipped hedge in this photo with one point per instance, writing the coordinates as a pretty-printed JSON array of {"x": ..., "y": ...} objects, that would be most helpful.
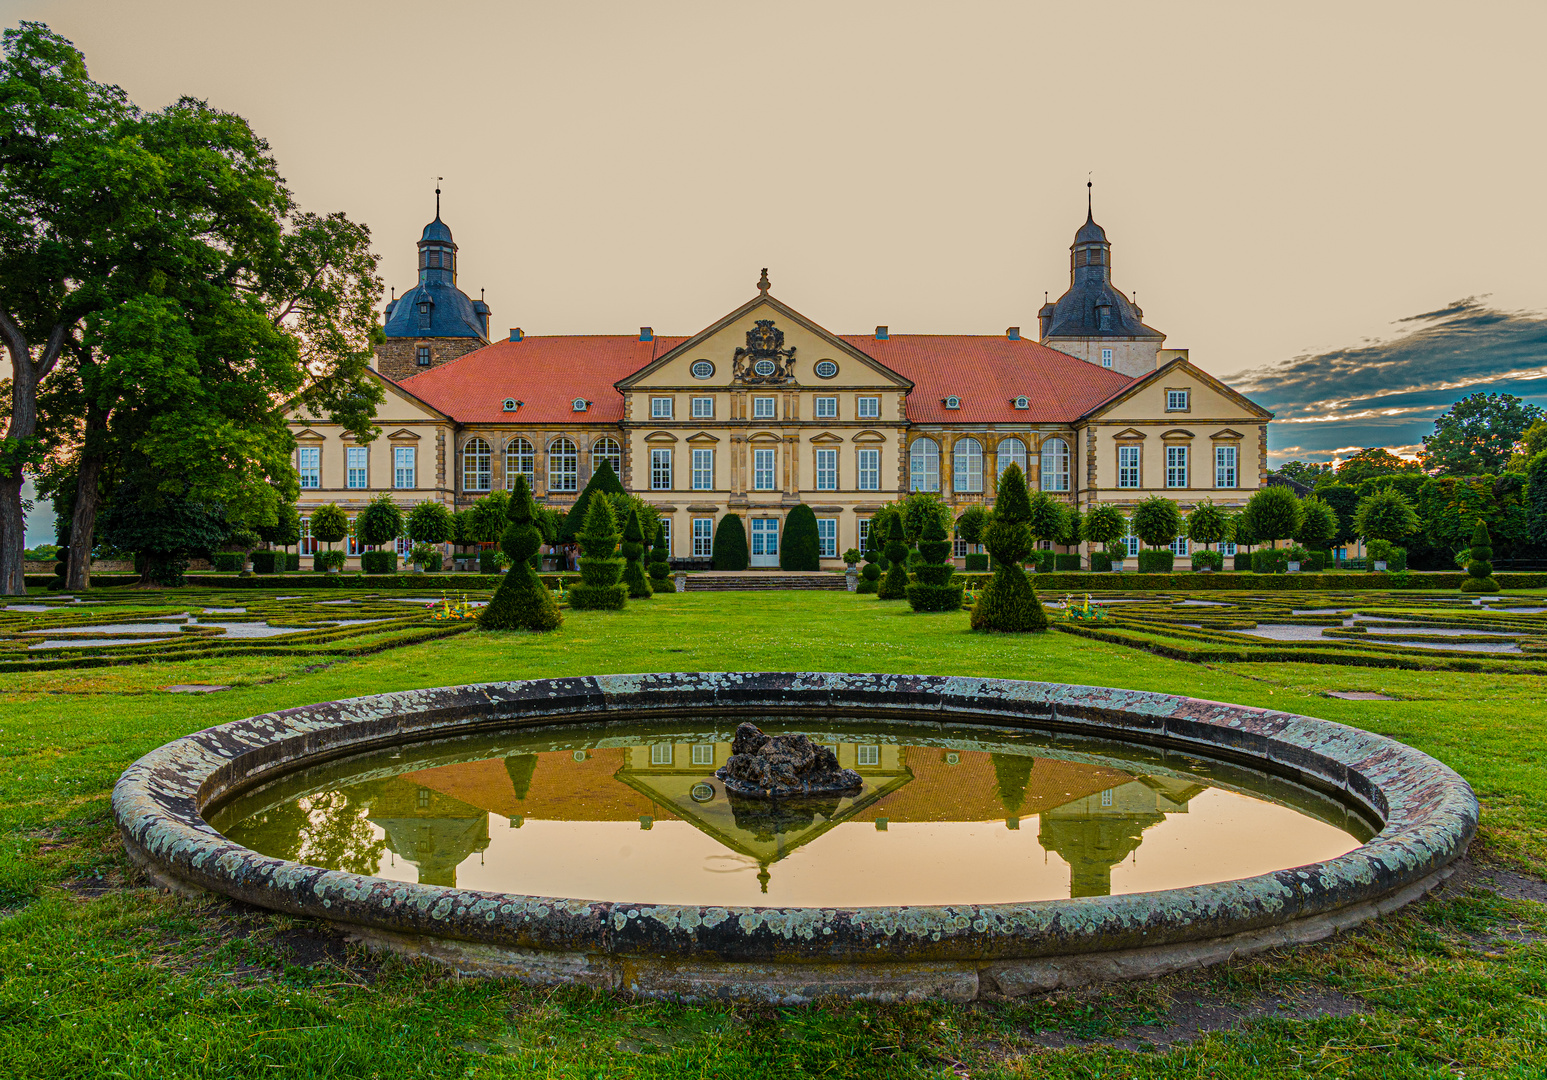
[
  {"x": 1067, "y": 563},
  {"x": 977, "y": 563},
  {"x": 378, "y": 562},
  {"x": 488, "y": 561},
  {"x": 1100, "y": 562},
  {"x": 267, "y": 562},
  {"x": 1156, "y": 561},
  {"x": 229, "y": 562}
]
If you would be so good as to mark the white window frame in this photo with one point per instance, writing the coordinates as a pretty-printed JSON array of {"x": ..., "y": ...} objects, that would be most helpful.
[
  {"x": 1226, "y": 460},
  {"x": 703, "y": 469},
  {"x": 1227, "y": 548},
  {"x": 967, "y": 465},
  {"x": 764, "y": 469},
  {"x": 610, "y": 451},
  {"x": 665, "y": 534},
  {"x": 519, "y": 452},
  {"x": 703, "y": 408},
  {"x": 661, "y": 408},
  {"x": 867, "y": 468},
  {"x": 1180, "y": 547},
  {"x": 404, "y": 467},
  {"x": 867, "y": 756},
  {"x": 703, "y": 753},
  {"x": 1132, "y": 543},
  {"x": 660, "y": 469},
  {"x": 827, "y": 408},
  {"x": 1012, "y": 451},
  {"x": 827, "y": 537},
  {"x": 1176, "y": 466},
  {"x": 924, "y": 465},
  {"x": 1178, "y": 400},
  {"x": 868, "y": 408},
  {"x": 661, "y": 753},
  {"x": 765, "y": 408},
  {"x": 309, "y": 466},
  {"x": 357, "y": 467},
  {"x": 703, "y": 537},
  {"x": 1106, "y": 358},
  {"x": 563, "y": 465},
  {"x": 826, "y": 467},
  {"x": 1055, "y": 465},
  {"x": 307, "y": 545},
  {"x": 477, "y": 464},
  {"x": 1128, "y": 463},
  {"x": 863, "y": 532}
]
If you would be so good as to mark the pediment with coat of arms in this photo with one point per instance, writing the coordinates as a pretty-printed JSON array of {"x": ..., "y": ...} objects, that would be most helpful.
[{"x": 764, "y": 359}]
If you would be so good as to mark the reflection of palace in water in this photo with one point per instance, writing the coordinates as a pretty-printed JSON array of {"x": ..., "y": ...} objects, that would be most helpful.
[{"x": 1091, "y": 816}]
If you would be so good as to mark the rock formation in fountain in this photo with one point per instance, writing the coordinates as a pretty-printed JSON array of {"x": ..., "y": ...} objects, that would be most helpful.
[{"x": 783, "y": 766}]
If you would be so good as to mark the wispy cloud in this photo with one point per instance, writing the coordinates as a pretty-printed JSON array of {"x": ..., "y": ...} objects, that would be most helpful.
[{"x": 1389, "y": 392}]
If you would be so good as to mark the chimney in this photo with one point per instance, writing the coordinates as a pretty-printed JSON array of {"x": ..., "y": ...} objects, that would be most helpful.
[
  {"x": 882, "y": 333},
  {"x": 646, "y": 333},
  {"x": 515, "y": 333},
  {"x": 1013, "y": 333}
]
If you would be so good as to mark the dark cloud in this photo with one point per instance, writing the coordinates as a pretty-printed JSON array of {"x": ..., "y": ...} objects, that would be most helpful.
[{"x": 1388, "y": 393}]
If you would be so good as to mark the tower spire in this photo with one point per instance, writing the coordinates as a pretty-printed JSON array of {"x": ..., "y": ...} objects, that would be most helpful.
[
  {"x": 438, "y": 179},
  {"x": 1090, "y": 212}
]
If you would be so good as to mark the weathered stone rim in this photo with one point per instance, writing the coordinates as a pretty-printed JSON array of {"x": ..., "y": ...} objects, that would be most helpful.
[{"x": 1428, "y": 812}]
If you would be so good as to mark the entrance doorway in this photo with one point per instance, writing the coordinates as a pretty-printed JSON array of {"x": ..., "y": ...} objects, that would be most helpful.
[{"x": 765, "y": 542}]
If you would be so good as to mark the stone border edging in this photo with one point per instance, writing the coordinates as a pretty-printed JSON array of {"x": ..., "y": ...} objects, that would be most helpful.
[{"x": 1429, "y": 815}]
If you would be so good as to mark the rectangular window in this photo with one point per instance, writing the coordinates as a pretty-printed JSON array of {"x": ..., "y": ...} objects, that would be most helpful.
[
  {"x": 763, "y": 470},
  {"x": 1127, "y": 466},
  {"x": 1224, "y": 466},
  {"x": 666, "y": 535},
  {"x": 1106, "y": 357},
  {"x": 422, "y": 355},
  {"x": 1176, "y": 400},
  {"x": 827, "y": 537},
  {"x": 1133, "y": 545},
  {"x": 1176, "y": 466},
  {"x": 703, "y": 470},
  {"x": 867, "y": 476},
  {"x": 703, "y": 538},
  {"x": 703, "y": 408},
  {"x": 308, "y": 543},
  {"x": 660, "y": 470},
  {"x": 763, "y": 408},
  {"x": 867, "y": 755},
  {"x": 352, "y": 544},
  {"x": 826, "y": 408},
  {"x": 355, "y": 460},
  {"x": 660, "y": 753},
  {"x": 864, "y": 533},
  {"x": 703, "y": 753},
  {"x": 827, "y": 470},
  {"x": 1106, "y": 797},
  {"x": 1179, "y": 547},
  {"x": 403, "y": 467},
  {"x": 309, "y": 465},
  {"x": 1228, "y": 548},
  {"x": 868, "y": 408},
  {"x": 660, "y": 408}
]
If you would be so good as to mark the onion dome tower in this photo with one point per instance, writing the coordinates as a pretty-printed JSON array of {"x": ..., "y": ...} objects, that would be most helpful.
[
  {"x": 434, "y": 322},
  {"x": 1093, "y": 320}
]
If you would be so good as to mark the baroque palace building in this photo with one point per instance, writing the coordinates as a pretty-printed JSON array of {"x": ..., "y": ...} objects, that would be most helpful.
[{"x": 764, "y": 409}]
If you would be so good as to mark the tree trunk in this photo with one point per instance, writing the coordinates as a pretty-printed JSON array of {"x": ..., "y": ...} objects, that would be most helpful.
[
  {"x": 25, "y": 376},
  {"x": 88, "y": 498},
  {"x": 13, "y": 530}
]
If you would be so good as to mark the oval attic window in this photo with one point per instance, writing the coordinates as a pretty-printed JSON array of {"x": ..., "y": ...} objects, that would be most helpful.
[
  {"x": 953, "y": 402},
  {"x": 510, "y": 404},
  {"x": 702, "y": 369},
  {"x": 1022, "y": 403},
  {"x": 764, "y": 367},
  {"x": 826, "y": 369},
  {"x": 579, "y": 404}
]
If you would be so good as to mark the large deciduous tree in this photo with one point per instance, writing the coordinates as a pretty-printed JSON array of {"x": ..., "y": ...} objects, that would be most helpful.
[
  {"x": 1372, "y": 462},
  {"x": 1476, "y": 436}
]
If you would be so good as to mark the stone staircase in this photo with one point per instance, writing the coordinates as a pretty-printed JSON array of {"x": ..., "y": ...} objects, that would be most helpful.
[{"x": 763, "y": 580}]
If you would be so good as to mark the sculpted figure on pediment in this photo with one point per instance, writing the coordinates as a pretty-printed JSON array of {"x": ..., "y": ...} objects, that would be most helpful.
[{"x": 764, "y": 359}]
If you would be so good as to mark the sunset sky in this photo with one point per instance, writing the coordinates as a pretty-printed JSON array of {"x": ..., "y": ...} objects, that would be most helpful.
[{"x": 1338, "y": 208}]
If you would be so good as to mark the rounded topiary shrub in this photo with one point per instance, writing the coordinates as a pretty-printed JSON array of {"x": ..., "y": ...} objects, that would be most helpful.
[
  {"x": 633, "y": 552},
  {"x": 522, "y": 602},
  {"x": 800, "y": 549},
  {"x": 1479, "y": 567},
  {"x": 1008, "y": 602},
  {"x": 730, "y": 544},
  {"x": 599, "y": 589},
  {"x": 933, "y": 589}
]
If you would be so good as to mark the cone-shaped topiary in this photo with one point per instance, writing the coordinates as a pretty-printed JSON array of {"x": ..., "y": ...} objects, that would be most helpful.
[
  {"x": 603, "y": 479},
  {"x": 522, "y": 602},
  {"x": 933, "y": 590},
  {"x": 659, "y": 565},
  {"x": 633, "y": 552},
  {"x": 800, "y": 549},
  {"x": 1479, "y": 568},
  {"x": 599, "y": 571},
  {"x": 730, "y": 544},
  {"x": 894, "y": 586},
  {"x": 1009, "y": 602}
]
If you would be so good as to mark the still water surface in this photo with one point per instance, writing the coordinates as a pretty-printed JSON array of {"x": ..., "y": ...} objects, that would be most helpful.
[{"x": 635, "y": 813}]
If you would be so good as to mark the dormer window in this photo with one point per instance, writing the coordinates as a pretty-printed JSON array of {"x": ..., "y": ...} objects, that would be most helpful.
[
  {"x": 579, "y": 404},
  {"x": 511, "y": 404},
  {"x": 953, "y": 402},
  {"x": 1023, "y": 402}
]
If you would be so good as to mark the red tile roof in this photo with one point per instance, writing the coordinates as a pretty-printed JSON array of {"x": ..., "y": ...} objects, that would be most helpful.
[
  {"x": 988, "y": 374},
  {"x": 546, "y": 374}
]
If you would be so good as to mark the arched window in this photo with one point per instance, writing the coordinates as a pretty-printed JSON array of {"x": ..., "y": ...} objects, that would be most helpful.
[
  {"x": 477, "y": 465},
  {"x": 924, "y": 464},
  {"x": 1011, "y": 452},
  {"x": 519, "y": 461},
  {"x": 967, "y": 465},
  {"x": 563, "y": 466},
  {"x": 609, "y": 451},
  {"x": 1055, "y": 465}
]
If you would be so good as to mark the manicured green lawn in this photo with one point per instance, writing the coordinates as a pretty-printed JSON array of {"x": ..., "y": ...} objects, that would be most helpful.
[{"x": 101, "y": 975}]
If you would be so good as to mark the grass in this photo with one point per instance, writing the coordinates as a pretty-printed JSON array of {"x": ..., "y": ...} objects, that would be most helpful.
[{"x": 101, "y": 975}]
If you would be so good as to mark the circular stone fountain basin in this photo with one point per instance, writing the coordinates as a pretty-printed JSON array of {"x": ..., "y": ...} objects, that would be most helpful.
[{"x": 571, "y": 831}]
